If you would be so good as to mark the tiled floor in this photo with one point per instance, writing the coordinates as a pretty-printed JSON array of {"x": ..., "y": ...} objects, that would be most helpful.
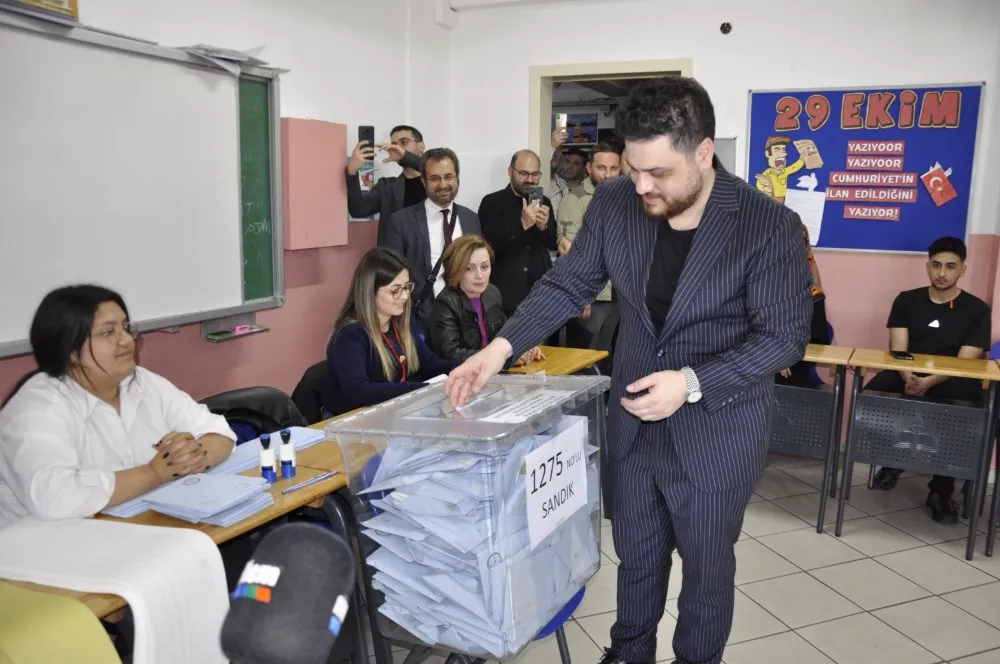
[{"x": 895, "y": 589}]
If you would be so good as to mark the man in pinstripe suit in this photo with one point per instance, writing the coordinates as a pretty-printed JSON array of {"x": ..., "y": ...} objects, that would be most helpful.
[{"x": 714, "y": 288}]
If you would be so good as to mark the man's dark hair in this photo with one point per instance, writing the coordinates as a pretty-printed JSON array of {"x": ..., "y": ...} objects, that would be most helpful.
[
  {"x": 952, "y": 245},
  {"x": 576, "y": 152},
  {"x": 673, "y": 106},
  {"x": 413, "y": 130},
  {"x": 437, "y": 154},
  {"x": 603, "y": 147}
]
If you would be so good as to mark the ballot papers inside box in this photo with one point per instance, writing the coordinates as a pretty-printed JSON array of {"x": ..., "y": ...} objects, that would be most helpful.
[{"x": 479, "y": 524}]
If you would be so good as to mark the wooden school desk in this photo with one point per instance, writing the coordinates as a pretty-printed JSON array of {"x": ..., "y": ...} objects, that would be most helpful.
[
  {"x": 562, "y": 361},
  {"x": 953, "y": 367},
  {"x": 312, "y": 496}
]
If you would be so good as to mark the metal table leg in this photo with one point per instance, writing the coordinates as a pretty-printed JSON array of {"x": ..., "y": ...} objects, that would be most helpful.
[
  {"x": 845, "y": 480},
  {"x": 833, "y": 447},
  {"x": 991, "y": 528},
  {"x": 982, "y": 476}
]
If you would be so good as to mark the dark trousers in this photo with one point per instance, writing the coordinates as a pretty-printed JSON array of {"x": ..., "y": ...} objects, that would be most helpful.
[
  {"x": 657, "y": 509},
  {"x": 953, "y": 389}
]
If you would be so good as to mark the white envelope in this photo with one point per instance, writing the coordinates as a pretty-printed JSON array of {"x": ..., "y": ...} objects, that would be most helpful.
[{"x": 392, "y": 524}]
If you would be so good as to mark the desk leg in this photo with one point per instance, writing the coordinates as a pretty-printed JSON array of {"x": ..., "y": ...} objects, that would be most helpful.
[
  {"x": 991, "y": 528},
  {"x": 833, "y": 447},
  {"x": 845, "y": 480},
  {"x": 337, "y": 508},
  {"x": 978, "y": 492}
]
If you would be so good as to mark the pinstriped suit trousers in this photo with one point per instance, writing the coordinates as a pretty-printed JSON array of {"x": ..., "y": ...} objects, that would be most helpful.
[{"x": 658, "y": 509}]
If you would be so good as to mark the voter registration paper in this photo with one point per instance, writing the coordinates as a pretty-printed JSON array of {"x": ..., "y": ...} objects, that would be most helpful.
[{"x": 481, "y": 522}]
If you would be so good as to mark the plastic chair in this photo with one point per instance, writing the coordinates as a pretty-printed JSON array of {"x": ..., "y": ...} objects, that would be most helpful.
[
  {"x": 255, "y": 410},
  {"x": 554, "y": 626},
  {"x": 308, "y": 393}
]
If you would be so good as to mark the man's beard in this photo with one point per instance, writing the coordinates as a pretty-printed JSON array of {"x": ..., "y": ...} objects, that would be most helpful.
[
  {"x": 676, "y": 206},
  {"x": 521, "y": 189}
]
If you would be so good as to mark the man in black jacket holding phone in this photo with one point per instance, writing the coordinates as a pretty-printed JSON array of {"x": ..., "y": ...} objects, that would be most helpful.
[
  {"x": 389, "y": 194},
  {"x": 522, "y": 233}
]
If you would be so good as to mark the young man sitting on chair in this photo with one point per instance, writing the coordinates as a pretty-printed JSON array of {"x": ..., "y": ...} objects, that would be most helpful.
[{"x": 939, "y": 320}]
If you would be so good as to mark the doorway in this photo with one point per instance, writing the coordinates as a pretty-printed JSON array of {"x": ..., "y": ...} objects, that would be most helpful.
[{"x": 588, "y": 91}]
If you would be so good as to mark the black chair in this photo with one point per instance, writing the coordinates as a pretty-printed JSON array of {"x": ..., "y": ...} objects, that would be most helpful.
[
  {"x": 308, "y": 394},
  {"x": 262, "y": 409}
]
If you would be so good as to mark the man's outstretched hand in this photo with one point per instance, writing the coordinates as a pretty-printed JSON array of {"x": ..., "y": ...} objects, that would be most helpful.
[{"x": 471, "y": 376}]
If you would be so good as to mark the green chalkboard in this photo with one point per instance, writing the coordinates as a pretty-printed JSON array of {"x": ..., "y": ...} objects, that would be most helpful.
[{"x": 255, "y": 190}]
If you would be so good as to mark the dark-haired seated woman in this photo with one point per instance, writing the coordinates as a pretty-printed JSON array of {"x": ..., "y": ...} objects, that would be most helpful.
[
  {"x": 373, "y": 355},
  {"x": 468, "y": 313},
  {"x": 90, "y": 429}
]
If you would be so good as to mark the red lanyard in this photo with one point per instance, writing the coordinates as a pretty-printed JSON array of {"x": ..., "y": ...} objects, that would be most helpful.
[{"x": 401, "y": 360}]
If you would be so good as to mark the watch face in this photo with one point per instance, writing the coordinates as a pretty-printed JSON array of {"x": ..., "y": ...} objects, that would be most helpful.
[{"x": 694, "y": 397}]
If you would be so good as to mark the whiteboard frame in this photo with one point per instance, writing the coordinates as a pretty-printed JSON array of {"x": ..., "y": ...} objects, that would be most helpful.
[
  {"x": 150, "y": 49},
  {"x": 976, "y": 152}
]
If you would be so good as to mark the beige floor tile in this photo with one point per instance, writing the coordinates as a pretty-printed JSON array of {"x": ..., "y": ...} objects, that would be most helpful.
[
  {"x": 809, "y": 550},
  {"x": 875, "y": 538},
  {"x": 598, "y": 628},
  {"x": 776, "y": 484},
  {"x": 786, "y": 648},
  {"x": 582, "y": 649},
  {"x": 869, "y": 584},
  {"x": 756, "y": 562},
  {"x": 940, "y": 627},
  {"x": 763, "y": 518},
  {"x": 799, "y": 600},
  {"x": 982, "y": 602},
  {"x": 806, "y": 507},
  {"x": 918, "y": 523},
  {"x": 934, "y": 570},
  {"x": 863, "y": 639}
]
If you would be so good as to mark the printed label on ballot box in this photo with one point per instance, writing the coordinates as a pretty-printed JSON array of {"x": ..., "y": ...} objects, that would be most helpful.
[{"x": 555, "y": 481}]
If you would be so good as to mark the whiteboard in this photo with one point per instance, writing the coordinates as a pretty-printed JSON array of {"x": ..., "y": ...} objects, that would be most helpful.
[
  {"x": 725, "y": 150},
  {"x": 118, "y": 168}
]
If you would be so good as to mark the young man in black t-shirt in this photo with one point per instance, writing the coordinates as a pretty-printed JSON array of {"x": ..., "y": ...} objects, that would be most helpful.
[{"x": 939, "y": 320}]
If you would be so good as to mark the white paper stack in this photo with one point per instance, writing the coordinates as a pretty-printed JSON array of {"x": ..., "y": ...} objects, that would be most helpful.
[
  {"x": 245, "y": 457},
  {"x": 196, "y": 498},
  {"x": 235, "y": 514}
]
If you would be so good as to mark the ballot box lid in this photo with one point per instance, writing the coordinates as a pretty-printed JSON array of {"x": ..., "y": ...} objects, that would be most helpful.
[{"x": 508, "y": 407}]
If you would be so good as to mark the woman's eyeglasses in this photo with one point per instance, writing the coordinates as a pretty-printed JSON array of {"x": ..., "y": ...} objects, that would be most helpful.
[
  {"x": 397, "y": 291},
  {"x": 114, "y": 331}
]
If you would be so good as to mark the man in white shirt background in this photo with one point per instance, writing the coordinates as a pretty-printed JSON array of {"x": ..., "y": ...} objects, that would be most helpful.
[{"x": 420, "y": 233}]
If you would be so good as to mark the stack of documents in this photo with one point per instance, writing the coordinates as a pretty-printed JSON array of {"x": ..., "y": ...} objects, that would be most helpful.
[
  {"x": 196, "y": 498},
  {"x": 245, "y": 457},
  {"x": 455, "y": 562}
]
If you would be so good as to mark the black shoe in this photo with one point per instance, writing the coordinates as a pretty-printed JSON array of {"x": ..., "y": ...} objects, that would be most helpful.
[
  {"x": 610, "y": 657},
  {"x": 943, "y": 508},
  {"x": 886, "y": 478}
]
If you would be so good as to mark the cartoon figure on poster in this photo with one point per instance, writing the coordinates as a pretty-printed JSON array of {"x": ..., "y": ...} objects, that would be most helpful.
[{"x": 774, "y": 180}]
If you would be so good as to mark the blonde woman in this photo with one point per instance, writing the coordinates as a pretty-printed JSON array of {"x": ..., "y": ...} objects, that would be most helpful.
[
  {"x": 468, "y": 313},
  {"x": 374, "y": 354}
]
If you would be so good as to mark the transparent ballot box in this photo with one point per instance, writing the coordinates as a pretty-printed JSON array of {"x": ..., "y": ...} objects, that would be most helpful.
[{"x": 480, "y": 524}]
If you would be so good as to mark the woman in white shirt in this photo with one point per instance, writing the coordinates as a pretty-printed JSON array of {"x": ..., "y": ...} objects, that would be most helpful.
[{"x": 91, "y": 430}]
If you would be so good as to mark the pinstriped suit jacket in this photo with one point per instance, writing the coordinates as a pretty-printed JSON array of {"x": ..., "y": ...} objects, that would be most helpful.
[{"x": 741, "y": 313}]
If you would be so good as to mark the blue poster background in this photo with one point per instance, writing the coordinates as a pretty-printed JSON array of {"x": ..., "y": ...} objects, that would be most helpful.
[{"x": 921, "y": 222}]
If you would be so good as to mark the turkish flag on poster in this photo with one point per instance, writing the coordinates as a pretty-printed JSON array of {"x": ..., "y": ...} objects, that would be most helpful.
[{"x": 938, "y": 185}]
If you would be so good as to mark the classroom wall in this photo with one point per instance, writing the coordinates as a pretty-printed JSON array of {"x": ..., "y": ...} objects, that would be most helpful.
[
  {"x": 346, "y": 62},
  {"x": 773, "y": 44}
]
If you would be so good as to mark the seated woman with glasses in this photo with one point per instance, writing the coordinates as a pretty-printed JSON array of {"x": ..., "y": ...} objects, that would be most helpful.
[
  {"x": 90, "y": 429},
  {"x": 468, "y": 313},
  {"x": 373, "y": 354}
]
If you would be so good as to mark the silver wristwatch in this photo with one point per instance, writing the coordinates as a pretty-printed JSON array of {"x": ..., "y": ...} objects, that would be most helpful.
[{"x": 692, "y": 384}]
